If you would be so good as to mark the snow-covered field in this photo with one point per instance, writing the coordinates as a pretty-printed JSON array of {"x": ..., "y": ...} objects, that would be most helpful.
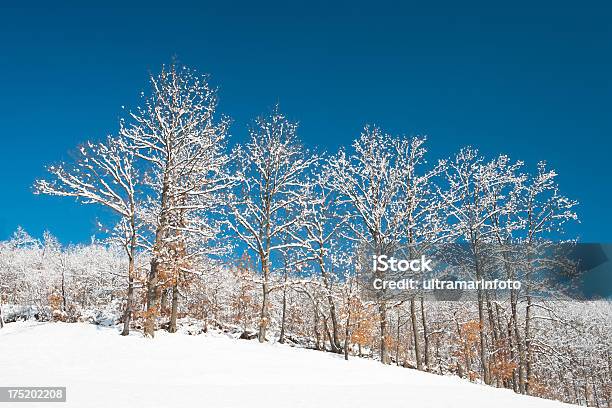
[{"x": 102, "y": 369}]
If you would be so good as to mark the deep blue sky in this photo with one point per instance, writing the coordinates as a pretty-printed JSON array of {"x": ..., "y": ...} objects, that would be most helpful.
[{"x": 531, "y": 81}]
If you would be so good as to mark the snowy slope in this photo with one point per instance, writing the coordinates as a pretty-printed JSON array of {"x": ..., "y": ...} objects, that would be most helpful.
[{"x": 102, "y": 369}]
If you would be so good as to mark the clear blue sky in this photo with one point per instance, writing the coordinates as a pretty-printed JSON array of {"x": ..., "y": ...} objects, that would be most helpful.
[{"x": 530, "y": 80}]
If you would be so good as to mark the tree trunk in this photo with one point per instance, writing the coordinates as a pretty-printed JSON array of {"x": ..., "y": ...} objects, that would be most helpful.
[
  {"x": 327, "y": 334},
  {"x": 156, "y": 259},
  {"x": 334, "y": 340},
  {"x": 283, "y": 318},
  {"x": 163, "y": 302},
  {"x": 425, "y": 335},
  {"x": 175, "y": 302},
  {"x": 519, "y": 344},
  {"x": 316, "y": 326},
  {"x": 528, "y": 344},
  {"x": 127, "y": 315},
  {"x": 415, "y": 334},
  {"x": 1, "y": 318},
  {"x": 347, "y": 333},
  {"x": 495, "y": 340},
  {"x": 397, "y": 340},
  {"x": 382, "y": 310},
  {"x": 152, "y": 300},
  {"x": 466, "y": 353},
  {"x": 483, "y": 342},
  {"x": 481, "y": 320},
  {"x": 129, "y": 302},
  {"x": 513, "y": 356},
  {"x": 492, "y": 321},
  {"x": 263, "y": 315}
]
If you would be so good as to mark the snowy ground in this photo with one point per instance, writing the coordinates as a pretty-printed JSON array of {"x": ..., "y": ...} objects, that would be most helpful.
[{"x": 102, "y": 369}]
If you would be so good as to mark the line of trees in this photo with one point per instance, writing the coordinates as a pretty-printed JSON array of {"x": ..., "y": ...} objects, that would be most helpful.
[{"x": 266, "y": 238}]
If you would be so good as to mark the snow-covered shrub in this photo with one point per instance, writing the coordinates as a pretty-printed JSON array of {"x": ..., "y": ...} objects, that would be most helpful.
[
  {"x": 110, "y": 315},
  {"x": 13, "y": 313}
]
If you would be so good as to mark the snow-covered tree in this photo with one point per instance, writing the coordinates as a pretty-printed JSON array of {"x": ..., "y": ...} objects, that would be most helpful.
[
  {"x": 103, "y": 173},
  {"x": 472, "y": 200},
  {"x": 181, "y": 139},
  {"x": 543, "y": 212},
  {"x": 372, "y": 181},
  {"x": 321, "y": 243},
  {"x": 269, "y": 202}
]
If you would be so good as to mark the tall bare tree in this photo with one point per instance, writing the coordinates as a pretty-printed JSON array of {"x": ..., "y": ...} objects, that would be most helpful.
[
  {"x": 371, "y": 182},
  {"x": 543, "y": 212},
  {"x": 270, "y": 199},
  {"x": 103, "y": 174},
  {"x": 472, "y": 201},
  {"x": 182, "y": 142},
  {"x": 321, "y": 241}
]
